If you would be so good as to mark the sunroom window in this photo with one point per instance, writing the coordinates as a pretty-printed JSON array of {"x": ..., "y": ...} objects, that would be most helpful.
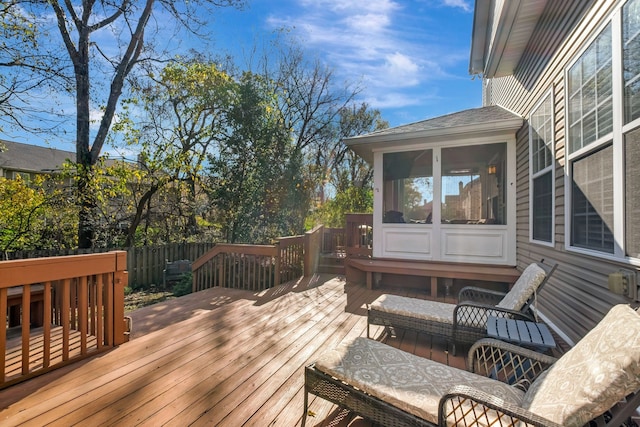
[
  {"x": 473, "y": 184},
  {"x": 408, "y": 187},
  {"x": 541, "y": 170}
]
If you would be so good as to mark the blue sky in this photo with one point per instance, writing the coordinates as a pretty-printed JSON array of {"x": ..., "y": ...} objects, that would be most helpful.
[{"x": 410, "y": 57}]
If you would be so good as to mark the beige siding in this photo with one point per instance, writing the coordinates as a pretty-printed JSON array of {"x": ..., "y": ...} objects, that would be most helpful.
[{"x": 578, "y": 296}]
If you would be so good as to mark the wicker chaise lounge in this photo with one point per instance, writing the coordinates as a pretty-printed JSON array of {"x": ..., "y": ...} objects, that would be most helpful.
[
  {"x": 599, "y": 376},
  {"x": 464, "y": 323}
]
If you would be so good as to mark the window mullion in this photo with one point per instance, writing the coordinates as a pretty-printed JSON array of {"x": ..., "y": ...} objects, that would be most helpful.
[{"x": 618, "y": 143}]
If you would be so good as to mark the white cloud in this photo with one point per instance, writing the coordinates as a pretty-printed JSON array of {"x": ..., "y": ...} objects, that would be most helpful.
[
  {"x": 383, "y": 43},
  {"x": 402, "y": 68},
  {"x": 95, "y": 116},
  {"x": 462, "y": 4}
]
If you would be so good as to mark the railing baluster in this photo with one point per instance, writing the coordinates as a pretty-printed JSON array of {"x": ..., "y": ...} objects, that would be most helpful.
[
  {"x": 92, "y": 305},
  {"x": 66, "y": 321},
  {"x": 82, "y": 313},
  {"x": 99, "y": 312},
  {"x": 3, "y": 333},
  {"x": 108, "y": 312},
  {"x": 74, "y": 304},
  {"x": 46, "y": 350},
  {"x": 26, "y": 327}
]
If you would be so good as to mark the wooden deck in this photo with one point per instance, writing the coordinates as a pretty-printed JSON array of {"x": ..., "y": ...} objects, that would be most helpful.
[{"x": 218, "y": 357}]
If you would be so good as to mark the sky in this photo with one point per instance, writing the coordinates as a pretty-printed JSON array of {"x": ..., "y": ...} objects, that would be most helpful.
[{"x": 410, "y": 57}]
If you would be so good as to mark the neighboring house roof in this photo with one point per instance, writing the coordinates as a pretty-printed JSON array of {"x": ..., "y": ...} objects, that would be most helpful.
[
  {"x": 32, "y": 158},
  {"x": 492, "y": 119}
]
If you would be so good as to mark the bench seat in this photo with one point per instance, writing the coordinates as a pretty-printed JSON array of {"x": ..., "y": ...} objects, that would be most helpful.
[{"x": 434, "y": 270}]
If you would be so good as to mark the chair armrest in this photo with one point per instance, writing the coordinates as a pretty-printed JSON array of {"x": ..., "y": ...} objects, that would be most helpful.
[
  {"x": 507, "y": 362},
  {"x": 476, "y": 294},
  {"x": 463, "y": 405},
  {"x": 472, "y": 314}
]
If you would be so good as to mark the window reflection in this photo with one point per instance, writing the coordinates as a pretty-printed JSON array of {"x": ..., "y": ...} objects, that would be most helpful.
[
  {"x": 473, "y": 190},
  {"x": 408, "y": 187}
]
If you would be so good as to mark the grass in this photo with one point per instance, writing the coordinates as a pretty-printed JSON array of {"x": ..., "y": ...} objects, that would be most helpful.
[{"x": 142, "y": 298}]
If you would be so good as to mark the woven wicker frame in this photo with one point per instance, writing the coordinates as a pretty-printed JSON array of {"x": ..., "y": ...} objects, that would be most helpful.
[
  {"x": 469, "y": 319},
  {"x": 462, "y": 405},
  {"x": 378, "y": 411}
]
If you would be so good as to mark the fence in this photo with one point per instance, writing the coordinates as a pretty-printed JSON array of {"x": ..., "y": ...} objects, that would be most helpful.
[
  {"x": 60, "y": 309},
  {"x": 145, "y": 264}
]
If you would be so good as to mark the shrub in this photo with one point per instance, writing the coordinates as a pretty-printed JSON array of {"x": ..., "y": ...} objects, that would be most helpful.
[{"x": 184, "y": 286}]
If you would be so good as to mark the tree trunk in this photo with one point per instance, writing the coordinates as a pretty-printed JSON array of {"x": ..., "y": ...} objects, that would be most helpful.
[{"x": 86, "y": 197}]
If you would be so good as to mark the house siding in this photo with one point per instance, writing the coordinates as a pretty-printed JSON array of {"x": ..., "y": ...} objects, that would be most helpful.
[{"x": 577, "y": 297}]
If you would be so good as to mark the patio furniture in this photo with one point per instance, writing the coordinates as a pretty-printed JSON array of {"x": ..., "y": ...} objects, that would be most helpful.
[
  {"x": 524, "y": 333},
  {"x": 466, "y": 322},
  {"x": 598, "y": 379}
]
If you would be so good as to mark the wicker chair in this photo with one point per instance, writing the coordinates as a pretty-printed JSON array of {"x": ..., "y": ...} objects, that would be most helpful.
[
  {"x": 596, "y": 381},
  {"x": 464, "y": 323}
]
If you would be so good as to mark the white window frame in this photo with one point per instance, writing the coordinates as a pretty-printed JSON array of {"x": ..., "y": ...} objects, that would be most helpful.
[
  {"x": 547, "y": 97},
  {"x": 616, "y": 138}
]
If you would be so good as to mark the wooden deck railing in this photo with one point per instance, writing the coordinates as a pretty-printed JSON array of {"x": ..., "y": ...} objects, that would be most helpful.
[
  {"x": 250, "y": 267},
  {"x": 259, "y": 267},
  {"x": 359, "y": 235},
  {"x": 60, "y": 309},
  {"x": 333, "y": 240}
]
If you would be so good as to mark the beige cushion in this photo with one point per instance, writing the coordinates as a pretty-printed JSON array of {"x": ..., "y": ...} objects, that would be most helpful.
[
  {"x": 409, "y": 382},
  {"x": 589, "y": 379},
  {"x": 524, "y": 287},
  {"x": 413, "y": 307}
]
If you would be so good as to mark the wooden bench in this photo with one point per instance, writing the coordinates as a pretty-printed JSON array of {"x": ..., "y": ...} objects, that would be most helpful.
[
  {"x": 14, "y": 305},
  {"x": 434, "y": 270}
]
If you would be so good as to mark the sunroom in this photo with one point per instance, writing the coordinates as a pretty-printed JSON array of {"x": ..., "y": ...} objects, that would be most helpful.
[{"x": 444, "y": 188}]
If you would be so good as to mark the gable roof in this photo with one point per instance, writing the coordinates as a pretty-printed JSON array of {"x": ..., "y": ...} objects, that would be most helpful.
[
  {"x": 32, "y": 158},
  {"x": 484, "y": 120}
]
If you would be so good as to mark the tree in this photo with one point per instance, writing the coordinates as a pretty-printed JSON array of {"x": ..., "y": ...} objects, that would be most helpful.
[
  {"x": 28, "y": 69},
  {"x": 346, "y": 168},
  {"x": 351, "y": 200},
  {"x": 347, "y": 179},
  {"x": 248, "y": 174},
  {"x": 309, "y": 102},
  {"x": 22, "y": 208},
  {"x": 185, "y": 110},
  {"x": 77, "y": 24},
  {"x": 28, "y": 211}
]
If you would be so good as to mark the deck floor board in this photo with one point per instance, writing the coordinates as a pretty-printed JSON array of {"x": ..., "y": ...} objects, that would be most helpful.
[{"x": 219, "y": 357}]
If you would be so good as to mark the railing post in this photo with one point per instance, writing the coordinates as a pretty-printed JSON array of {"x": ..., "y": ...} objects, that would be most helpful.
[
  {"x": 313, "y": 247},
  {"x": 119, "y": 281},
  {"x": 276, "y": 276},
  {"x": 306, "y": 263}
]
